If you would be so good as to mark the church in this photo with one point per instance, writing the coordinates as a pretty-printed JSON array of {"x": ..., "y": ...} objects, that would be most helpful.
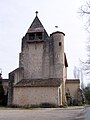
[{"x": 42, "y": 73}]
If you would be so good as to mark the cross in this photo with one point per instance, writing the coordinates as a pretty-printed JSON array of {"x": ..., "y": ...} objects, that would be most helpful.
[{"x": 36, "y": 13}]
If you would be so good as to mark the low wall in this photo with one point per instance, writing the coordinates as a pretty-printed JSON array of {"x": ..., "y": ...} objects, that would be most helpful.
[{"x": 35, "y": 95}]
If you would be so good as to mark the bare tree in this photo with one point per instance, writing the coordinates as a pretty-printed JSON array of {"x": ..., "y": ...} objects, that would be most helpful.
[
  {"x": 85, "y": 9},
  {"x": 76, "y": 73},
  {"x": 85, "y": 65},
  {"x": 85, "y": 12}
]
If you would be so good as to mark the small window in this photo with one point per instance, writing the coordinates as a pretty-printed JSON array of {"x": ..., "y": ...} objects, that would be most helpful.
[
  {"x": 59, "y": 43},
  {"x": 39, "y": 35},
  {"x": 31, "y": 36}
]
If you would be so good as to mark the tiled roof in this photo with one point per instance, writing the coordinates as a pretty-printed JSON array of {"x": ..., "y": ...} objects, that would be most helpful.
[
  {"x": 57, "y": 32},
  {"x": 5, "y": 80},
  {"x": 36, "y": 26},
  {"x": 72, "y": 80},
  {"x": 52, "y": 82}
]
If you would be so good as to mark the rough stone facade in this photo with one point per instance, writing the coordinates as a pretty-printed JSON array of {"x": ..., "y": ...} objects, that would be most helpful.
[
  {"x": 73, "y": 85},
  {"x": 76, "y": 96},
  {"x": 42, "y": 71},
  {"x": 35, "y": 95}
]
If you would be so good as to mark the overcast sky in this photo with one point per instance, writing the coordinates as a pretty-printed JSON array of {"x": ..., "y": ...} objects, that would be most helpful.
[{"x": 17, "y": 15}]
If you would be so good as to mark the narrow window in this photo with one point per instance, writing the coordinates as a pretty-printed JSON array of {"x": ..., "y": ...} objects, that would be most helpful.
[
  {"x": 31, "y": 36},
  {"x": 59, "y": 43},
  {"x": 39, "y": 36}
]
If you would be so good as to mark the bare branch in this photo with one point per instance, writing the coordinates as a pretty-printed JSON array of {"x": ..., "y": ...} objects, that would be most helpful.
[{"x": 85, "y": 11}]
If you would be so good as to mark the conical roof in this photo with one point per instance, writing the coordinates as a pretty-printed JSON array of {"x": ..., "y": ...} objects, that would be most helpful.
[{"x": 36, "y": 26}]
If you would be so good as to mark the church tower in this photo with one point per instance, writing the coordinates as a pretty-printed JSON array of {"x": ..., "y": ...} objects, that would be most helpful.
[
  {"x": 40, "y": 77},
  {"x": 33, "y": 56}
]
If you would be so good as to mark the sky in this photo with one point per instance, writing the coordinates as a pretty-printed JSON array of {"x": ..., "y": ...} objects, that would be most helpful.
[{"x": 17, "y": 15}]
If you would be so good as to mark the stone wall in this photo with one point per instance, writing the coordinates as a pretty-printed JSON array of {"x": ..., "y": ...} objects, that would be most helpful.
[
  {"x": 35, "y": 60},
  {"x": 73, "y": 85},
  {"x": 35, "y": 95}
]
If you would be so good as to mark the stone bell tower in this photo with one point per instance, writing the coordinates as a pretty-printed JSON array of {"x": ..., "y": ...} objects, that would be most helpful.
[{"x": 34, "y": 57}]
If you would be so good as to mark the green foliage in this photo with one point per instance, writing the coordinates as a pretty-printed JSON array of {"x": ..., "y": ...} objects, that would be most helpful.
[
  {"x": 87, "y": 93},
  {"x": 1, "y": 93},
  {"x": 69, "y": 98},
  {"x": 3, "y": 98}
]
